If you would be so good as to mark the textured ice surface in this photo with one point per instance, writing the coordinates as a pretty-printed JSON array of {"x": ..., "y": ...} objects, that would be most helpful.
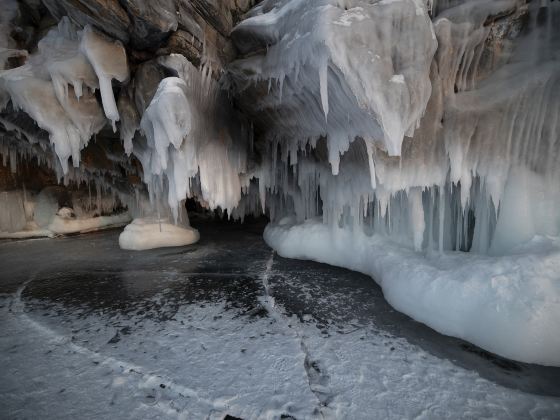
[
  {"x": 432, "y": 124},
  {"x": 112, "y": 335}
]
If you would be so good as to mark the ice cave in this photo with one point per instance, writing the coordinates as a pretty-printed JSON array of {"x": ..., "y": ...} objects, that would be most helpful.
[{"x": 280, "y": 209}]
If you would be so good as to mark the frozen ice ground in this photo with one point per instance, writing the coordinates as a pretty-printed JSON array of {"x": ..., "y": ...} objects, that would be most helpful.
[{"x": 224, "y": 327}]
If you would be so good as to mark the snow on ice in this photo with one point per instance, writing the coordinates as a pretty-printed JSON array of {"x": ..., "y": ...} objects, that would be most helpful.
[{"x": 422, "y": 135}]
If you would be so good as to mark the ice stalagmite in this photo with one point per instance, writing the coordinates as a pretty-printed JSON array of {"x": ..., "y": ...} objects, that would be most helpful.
[{"x": 191, "y": 147}]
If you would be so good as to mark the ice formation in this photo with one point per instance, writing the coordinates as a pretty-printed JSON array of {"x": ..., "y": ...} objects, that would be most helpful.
[
  {"x": 377, "y": 89},
  {"x": 13, "y": 217},
  {"x": 56, "y": 86},
  {"x": 473, "y": 168},
  {"x": 440, "y": 180},
  {"x": 193, "y": 142},
  {"x": 108, "y": 59}
]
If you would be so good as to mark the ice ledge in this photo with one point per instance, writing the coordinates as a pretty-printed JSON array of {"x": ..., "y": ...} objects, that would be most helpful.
[{"x": 507, "y": 305}]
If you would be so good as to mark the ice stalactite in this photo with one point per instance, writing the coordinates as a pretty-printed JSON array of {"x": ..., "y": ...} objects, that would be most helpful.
[
  {"x": 192, "y": 140},
  {"x": 56, "y": 86},
  {"x": 377, "y": 89},
  {"x": 108, "y": 59}
]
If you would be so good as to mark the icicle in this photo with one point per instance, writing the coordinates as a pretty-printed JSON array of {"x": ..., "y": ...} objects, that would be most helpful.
[{"x": 324, "y": 87}]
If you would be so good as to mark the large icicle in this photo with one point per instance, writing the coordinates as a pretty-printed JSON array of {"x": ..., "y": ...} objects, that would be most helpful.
[
  {"x": 108, "y": 58},
  {"x": 372, "y": 83}
]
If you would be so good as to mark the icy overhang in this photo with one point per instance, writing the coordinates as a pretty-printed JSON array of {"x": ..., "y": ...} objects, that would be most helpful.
[{"x": 335, "y": 69}]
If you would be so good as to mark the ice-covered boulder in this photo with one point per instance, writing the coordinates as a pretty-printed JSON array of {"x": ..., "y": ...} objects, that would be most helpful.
[{"x": 143, "y": 234}]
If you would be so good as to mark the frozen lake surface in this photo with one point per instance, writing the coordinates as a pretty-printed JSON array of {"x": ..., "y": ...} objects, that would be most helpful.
[{"x": 226, "y": 328}]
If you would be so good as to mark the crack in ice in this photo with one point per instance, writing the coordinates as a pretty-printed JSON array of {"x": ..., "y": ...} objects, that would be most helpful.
[{"x": 316, "y": 380}]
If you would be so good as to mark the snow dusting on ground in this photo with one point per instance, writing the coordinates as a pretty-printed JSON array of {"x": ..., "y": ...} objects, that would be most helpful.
[{"x": 200, "y": 332}]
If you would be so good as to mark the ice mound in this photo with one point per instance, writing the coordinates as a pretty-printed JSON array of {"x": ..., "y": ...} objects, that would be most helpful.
[
  {"x": 144, "y": 234},
  {"x": 508, "y": 305}
]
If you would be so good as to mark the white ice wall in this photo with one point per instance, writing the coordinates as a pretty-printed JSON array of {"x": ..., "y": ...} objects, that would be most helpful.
[{"x": 487, "y": 135}]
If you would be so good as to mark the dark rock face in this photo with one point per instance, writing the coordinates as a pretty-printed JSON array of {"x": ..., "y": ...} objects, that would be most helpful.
[
  {"x": 151, "y": 22},
  {"x": 172, "y": 26},
  {"x": 183, "y": 42},
  {"x": 106, "y": 15}
]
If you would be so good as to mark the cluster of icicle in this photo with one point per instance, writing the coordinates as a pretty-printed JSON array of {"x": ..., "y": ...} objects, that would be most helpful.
[
  {"x": 189, "y": 140},
  {"x": 56, "y": 86},
  {"x": 430, "y": 122},
  {"x": 442, "y": 134}
]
